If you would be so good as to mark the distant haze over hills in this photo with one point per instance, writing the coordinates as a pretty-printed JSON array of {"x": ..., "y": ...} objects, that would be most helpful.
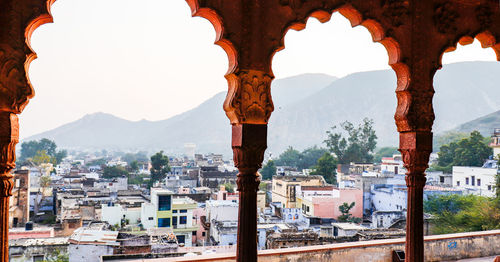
[
  {"x": 306, "y": 106},
  {"x": 485, "y": 125}
]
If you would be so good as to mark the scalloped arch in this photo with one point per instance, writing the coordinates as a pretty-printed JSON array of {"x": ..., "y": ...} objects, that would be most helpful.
[
  {"x": 486, "y": 39},
  {"x": 43, "y": 18},
  {"x": 216, "y": 21},
  {"x": 378, "y": 35},
  {"x": 355, "y": 18}
]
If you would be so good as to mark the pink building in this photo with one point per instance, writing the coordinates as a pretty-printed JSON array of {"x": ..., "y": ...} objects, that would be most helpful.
[
  {"x": 201, "y": 233},
  {"x": 224, "y": 195},
  {"x": 324, "y": 201},
  {"x": 36, "y": 232}
]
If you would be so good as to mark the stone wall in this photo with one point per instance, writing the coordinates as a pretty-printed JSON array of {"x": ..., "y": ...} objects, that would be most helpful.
[{"x": 437, "y": 248}]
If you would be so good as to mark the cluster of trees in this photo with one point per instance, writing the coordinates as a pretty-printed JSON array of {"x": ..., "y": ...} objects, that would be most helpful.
[
  {"x": 357, "y": 146},
  {"x": 350, "y": 144},
  {"x": 466, "y": 151},
  {"x": 159, "y": 168},
  {"x": 42, "y": 150},
  {"x": 463, "y": 213}
]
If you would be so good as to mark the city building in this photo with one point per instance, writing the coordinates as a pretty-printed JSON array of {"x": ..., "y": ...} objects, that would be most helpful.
[
  {"x": 19, "y": 210},
  {"x": 495, "y": 143},
  {"x": 475, "y": 180},
  {"x": 284, "y": 188}
]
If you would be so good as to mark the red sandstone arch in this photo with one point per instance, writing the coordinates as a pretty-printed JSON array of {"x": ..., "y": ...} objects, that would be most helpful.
[{"x": 486, "y": 39}]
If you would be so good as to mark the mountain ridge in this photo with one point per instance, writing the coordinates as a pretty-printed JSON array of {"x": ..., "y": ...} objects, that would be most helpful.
[{"x": 306, "y": 106}]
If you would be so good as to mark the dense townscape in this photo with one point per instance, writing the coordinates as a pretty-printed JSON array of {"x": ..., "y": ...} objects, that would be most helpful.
[{"x": 81, "y": 206}]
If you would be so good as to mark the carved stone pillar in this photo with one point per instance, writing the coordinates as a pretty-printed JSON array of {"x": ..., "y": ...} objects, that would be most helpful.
[
  {"x": 248, "y": 105},
  {"x": 416, "y": 148},
  {"x": 9, "y": 136}
]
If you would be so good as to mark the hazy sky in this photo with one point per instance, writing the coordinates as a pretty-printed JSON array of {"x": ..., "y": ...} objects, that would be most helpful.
[{"x": 151, "y": 60}]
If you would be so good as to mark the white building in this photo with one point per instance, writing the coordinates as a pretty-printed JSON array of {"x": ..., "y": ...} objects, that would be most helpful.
[
  {"x": 223, "y": 218},
  {"x": 115, "y": 184},
  {"x": 89, "y": 244},
  {"x": 475, "y": 180},
  {"x": 113, "y": 214},
  {"x": 393, "y": 165},
  {"x": 394, "y": 197},
  {"x": 385, "y": 219},
  {"x": 495, "y": 143}
]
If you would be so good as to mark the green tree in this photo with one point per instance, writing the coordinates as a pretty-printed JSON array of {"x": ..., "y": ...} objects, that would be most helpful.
[
  {"x": 291, "y": 157},
  {"x": 345, "y": 208},
  {"x": 269, "y": 170},
  {"x": 41, "y": 157},
  {"x": 326, "y": 167},
  {"x": 57, "y": 256},
  {"x": 229, "y": 187},
  {"x": 159, "y": 167},
  {"x": 96, "y": 162},
  {"x": 309, "y": 157},
  {"x": 31, "y": 148},
  {"x": 114, "y": 171},
  {"x": 359, "y": 144},
  {"x": 134, "y": 166},
  {"x": 456, "y": 213},
  {"x": 470, "y": 151},
  {"x": 385, "y": 152}
]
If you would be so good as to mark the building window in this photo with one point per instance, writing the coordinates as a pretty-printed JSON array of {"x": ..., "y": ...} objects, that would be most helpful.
[
  {"x": 174, "y": 211},
  {"x": 489, "y": 187},
  {"x": 194, "y": 233},
  {"x": 307, "y": 209},
  {"x": 441, "y": 179},
  {"x": 466, "y": 180},
  {"x": 478, "y": 182},
  {"x": 183, "y": 211},
  {"x": 182, "y": 220},
  {"x": 163, "y": 222},
  {"x": 174, "y": 221},
  {"x": 164, "y": 203},
  {"x": 203, "y": 233},
  {"x": 181, "y": 239},
  {"x": 150, "y": 218},
  {"x": 37, "y": 258},
  {"x": 473, "y": 180},
  {"x": 458, "y": 183}
]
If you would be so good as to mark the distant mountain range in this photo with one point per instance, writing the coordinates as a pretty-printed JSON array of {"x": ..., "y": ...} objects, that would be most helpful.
[
  {"x": 485, "y": 125},
  {"x": 306, "y": 106}
]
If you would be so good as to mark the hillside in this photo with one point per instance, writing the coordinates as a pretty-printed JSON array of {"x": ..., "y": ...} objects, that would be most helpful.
[
  {"x": 306, "y": 106},
  {"x": 485, "y": 125}
]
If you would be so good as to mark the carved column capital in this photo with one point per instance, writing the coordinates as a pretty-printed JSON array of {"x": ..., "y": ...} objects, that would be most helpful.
[
  {"x": 416, "y": 148},
  {"x": 9, "y": 137},
  {"x": 249, "y": 97}
]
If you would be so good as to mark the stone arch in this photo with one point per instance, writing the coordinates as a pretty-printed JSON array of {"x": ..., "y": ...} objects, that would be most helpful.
[
  {"x": 486, "y": 39},
  {"x": 216, "y": 20}
]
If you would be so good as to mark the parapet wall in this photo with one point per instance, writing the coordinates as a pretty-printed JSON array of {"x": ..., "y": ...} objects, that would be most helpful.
[{"x": 437, "y": 248}]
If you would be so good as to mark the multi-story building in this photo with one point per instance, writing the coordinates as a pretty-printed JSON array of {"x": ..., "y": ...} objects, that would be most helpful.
[
  {"x": 19, "y": 212},
  {"x": 475, "y": 180},
  {"x": 166, "y": 211},
  {"x": 222, "y": 216},
  {"x": 495, "y": 143},
  {"x": 284, "y": 188},
  {"x": 394, "y": 197},
  {"x": 184, "y": 226},
  {"x": 324, "y": 202}
]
